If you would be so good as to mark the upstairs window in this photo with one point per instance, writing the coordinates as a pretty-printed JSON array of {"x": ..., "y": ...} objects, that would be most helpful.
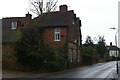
[
  {"x": 73, "y": 22},
  {"x": 14, "y": 25},
  {"x": 57, "y": 34}
]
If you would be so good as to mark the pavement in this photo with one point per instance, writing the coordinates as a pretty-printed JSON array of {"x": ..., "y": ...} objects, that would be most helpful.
[
  {"x": 6, "y": 73},
  {"x": 114, "y": 75},
  {"x": 13, "y": 74}
]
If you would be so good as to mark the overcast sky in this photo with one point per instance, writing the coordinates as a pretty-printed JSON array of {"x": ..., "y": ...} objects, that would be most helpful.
[{"x": 97, "y": 16}]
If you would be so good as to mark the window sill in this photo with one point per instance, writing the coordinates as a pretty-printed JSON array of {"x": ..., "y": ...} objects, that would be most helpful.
[
  {"x": 57, "y": 40},
  {"x": 13, "y": 28}
]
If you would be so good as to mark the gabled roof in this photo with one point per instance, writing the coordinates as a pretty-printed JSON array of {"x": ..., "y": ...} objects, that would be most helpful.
[
  {"x": 7, "y": 22},
  {"x": 21, "y": 21},
  {"x": 112, "y": 48},
  {"x": 58, "y": 18}
]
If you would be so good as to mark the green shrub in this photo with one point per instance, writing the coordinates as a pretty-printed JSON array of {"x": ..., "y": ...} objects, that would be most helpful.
[
  {"x": 87, "y": 54},
  {"x": 32, "y": 52},
  {"x": 53, "y": 66}
]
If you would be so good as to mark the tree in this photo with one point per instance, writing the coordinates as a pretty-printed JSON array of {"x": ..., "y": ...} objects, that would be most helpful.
[
  {"x": 88, "y": 53},
  {"x": 88, "y": 50},
  {"x": 89, "y": 41},
  {"x": 32, "y": 52},
  {"x": 101, "y": 46},
  {"x": 40, "y": 6}
]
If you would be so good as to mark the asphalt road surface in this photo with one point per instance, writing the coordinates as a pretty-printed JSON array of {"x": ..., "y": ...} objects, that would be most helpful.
[
  {"x": 100, "y": 70},
  {"x": 96, "y": 71}
]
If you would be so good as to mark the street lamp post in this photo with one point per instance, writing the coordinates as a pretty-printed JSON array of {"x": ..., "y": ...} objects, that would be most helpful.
[{"x": 116, "y": 50}]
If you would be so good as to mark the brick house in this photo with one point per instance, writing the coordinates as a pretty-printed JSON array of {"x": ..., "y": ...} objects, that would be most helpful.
[
  {"x": 12, "y": 23},
  {"x": 60, "y": 27},
  {"x": 10, "y": 35}
]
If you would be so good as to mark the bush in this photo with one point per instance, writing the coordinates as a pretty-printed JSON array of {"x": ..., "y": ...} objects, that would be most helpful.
[
  {"x": 53, "y": 66},
  {"x": 34, "y": 53},
  {"x": 88, "y": 54},
  {"x": 31, "y": 49}
]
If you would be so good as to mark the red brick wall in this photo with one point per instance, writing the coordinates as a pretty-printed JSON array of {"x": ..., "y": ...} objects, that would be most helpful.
[
  {"x": 48, "y": 36},
  {"x": 9, "y": 59}
]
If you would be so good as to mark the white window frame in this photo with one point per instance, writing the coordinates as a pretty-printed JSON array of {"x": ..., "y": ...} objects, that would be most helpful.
[
  {"x": 14, "y": 25},
  {"x": 57, "y": 34},
  {"x": 73, "y": 22}
]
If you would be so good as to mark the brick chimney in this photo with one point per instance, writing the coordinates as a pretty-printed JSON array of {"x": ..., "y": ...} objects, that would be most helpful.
[
  {"x": 28, "y": 19},
  {"x": 63, "y": 8},
  {"x": 28, "y": 16}
]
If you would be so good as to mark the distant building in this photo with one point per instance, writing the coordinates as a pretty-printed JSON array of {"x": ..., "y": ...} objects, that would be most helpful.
[{"x": 113, "y": 51}]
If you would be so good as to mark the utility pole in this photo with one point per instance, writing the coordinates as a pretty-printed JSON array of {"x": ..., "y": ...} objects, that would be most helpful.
[{"x": 116, "y": 52}]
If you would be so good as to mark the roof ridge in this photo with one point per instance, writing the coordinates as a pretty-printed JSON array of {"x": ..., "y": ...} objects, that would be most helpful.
[{"x": 13, "y": 17}]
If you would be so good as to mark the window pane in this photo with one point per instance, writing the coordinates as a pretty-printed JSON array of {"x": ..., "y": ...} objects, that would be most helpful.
[
  {"x": 57, "y": 34},
  {"x": 14, "y": 25}
]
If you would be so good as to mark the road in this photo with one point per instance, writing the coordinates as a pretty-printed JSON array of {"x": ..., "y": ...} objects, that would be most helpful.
[{"x": 100, "y": 70}]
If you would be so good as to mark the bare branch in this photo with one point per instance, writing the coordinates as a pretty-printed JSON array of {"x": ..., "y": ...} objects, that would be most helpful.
[
  {"x": 37, "y": 11},
  {"x": 53, "y": 5},
  {"x": 37, "y": 6}
]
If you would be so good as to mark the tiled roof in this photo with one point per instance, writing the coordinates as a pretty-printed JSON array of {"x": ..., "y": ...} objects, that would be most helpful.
[
  {"x": 58, "y": 18},
  {"x": 7, "y": 22},
  {"x": 112, "y": 47}
]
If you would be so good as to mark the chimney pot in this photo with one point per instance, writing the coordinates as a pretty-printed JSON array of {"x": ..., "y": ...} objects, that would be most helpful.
[{"x": 111, "y": 44}]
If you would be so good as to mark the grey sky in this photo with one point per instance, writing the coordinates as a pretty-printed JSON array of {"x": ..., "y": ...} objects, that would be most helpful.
[{"x": 97, "y": 16}]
